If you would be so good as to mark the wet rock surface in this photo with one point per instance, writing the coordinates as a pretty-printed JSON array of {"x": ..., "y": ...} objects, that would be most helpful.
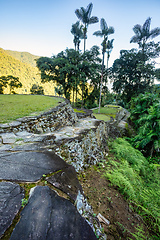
[
  {"x": 29, "y": 166},
  {"x": 48, "y": 216},
  {"x": 66, "y": 180},
  {"x": 10, "y": 203}
]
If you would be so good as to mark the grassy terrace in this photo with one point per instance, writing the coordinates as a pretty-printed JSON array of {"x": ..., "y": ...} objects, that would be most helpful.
[
  {"x": 106, "y": 112},
  {"x": 16, "y": 106}
]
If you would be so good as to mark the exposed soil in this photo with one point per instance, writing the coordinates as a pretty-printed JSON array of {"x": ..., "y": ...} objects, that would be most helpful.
[{"x": 106, "y": 200}]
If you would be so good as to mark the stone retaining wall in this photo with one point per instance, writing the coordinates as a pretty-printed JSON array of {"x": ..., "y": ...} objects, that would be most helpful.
[
  {"x": 86, "y": 149},
  {"x": 62, "y": 115}
]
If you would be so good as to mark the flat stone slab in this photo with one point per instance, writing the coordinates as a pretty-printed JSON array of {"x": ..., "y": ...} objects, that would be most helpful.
[
  {"x": 29, "y": 166},
  {"x": 8, "y": 138},
  {"x": 5, "y": 148},
  {"x": 11, "y": 195},
  {"x": 67, "y": 181},
  {"x": 48, "y": 216},
  {"x": 23, "y": 134}
]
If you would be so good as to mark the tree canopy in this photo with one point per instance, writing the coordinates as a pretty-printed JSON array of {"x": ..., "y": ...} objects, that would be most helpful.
[
  {"x": 130, "y": 77},
  {"x": 73, "y": 71},
  {"x": 84, "y": 15},
  {"x": 10, "y": 81}
]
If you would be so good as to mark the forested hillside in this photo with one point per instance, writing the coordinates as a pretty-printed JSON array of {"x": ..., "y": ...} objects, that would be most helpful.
[
  {"x": 22, "y": 68},
  {"x": 24, "y": 57}
]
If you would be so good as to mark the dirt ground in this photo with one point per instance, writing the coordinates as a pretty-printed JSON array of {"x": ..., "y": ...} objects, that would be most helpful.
[{"x": 106, "y": 200}]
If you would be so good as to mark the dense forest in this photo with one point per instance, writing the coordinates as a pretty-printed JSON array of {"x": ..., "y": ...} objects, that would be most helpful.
[{"x": 22, "y": 65}]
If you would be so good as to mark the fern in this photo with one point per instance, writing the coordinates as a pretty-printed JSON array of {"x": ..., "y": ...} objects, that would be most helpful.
[
  {"x": 146, "y": 117},
  {"x": 138, "y": 180}
]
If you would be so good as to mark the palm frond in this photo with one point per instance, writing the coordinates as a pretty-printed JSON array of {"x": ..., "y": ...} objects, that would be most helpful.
[
  {"x": 146, "y": 25},
  {"x": 93, "y": 20},
  {"x": 103, "y": 24},
  {"x": 110, "y": 30},
  {"x": 79, "y": 14},
  {"x": 135, "y": 39},
  {"x": 89, "y": 10},
  {"x": 137, "y": 29},
  {"x": 109, "y": 44},
  {"x": 155, "y": 32},
  {"x": 98, "y": 33}
]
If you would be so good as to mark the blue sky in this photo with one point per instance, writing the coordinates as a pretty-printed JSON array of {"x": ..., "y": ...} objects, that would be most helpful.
[{"x": 42, "y": 27}]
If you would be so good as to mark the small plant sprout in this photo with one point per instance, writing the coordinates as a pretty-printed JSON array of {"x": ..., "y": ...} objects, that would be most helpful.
[{"x": 24, "y": 201}]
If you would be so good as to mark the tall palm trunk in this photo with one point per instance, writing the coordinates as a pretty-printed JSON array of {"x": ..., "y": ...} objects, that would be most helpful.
[
  {"x": 85, "y": 34},
  {"x": 101, "y": 83}
]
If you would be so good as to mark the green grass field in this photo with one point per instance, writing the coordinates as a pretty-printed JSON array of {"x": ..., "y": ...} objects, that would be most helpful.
[
  {"x": 106, "y": 112},
  {"x": 103, "y": 117},
  {"x": 16, "y": 106}
]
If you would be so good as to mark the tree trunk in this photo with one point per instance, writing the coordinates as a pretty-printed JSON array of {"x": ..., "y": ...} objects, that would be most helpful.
[
  {"x": 73, "y": 98},
  {"x": 101, "y": 83},
  {"x": 82, "y": 96},
  {"x": 85, "y": 33}
]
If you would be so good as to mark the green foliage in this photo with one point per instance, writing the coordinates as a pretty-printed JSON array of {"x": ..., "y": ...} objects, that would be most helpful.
[
  {"x": 24, "y": 201},
  {"x": 36, "y": 89},
  {"x": 130, "y": 75},
  {"x": 145, "y": 114},
  {"x": 3, "y": 84},
  {"x": 138, "y": 180},
  {"x": 12, "y": 82},
  {"x": 16, "y": 106},
  {"x": 71, "y": 70}
]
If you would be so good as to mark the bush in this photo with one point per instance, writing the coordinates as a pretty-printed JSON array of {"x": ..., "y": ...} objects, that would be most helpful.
[
  {"x": 37, "y": 90},
  {"x": 145, "y": 114}
]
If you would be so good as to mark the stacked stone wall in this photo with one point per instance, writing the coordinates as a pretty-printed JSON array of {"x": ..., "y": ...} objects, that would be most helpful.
[{"x": 62, "y": 115}]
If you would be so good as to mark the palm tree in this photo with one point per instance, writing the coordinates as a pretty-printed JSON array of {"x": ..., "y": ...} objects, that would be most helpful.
[
  {"x": 143, "y": 33},
  {"x": 109, "y": 47},
  {"x": 104, "y": 32},
  {"x": 85, "y": 16},
  {"x": 78, "y": 34}
]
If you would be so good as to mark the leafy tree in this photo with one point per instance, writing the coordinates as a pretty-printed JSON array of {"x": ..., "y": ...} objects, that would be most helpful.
[
  {"x": 37, "y": 90},
  {"x": 59, "y": 90},
  {"x": 90, "y": 72},
  {"x": 78, "y": 34},
  {"x": 84, "y": 15},
  {"x": 72, "y": 71},
  {"x": 11, "y": 81},
  {"x": 61, "y": 69},
  {"x": 157, "y": 74},
  {"x": 145, "y": 114},
  {"x": 105, "y": 31},
  {"x": 3, "y": 84},
  {"x": 131, "y": 77}
]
